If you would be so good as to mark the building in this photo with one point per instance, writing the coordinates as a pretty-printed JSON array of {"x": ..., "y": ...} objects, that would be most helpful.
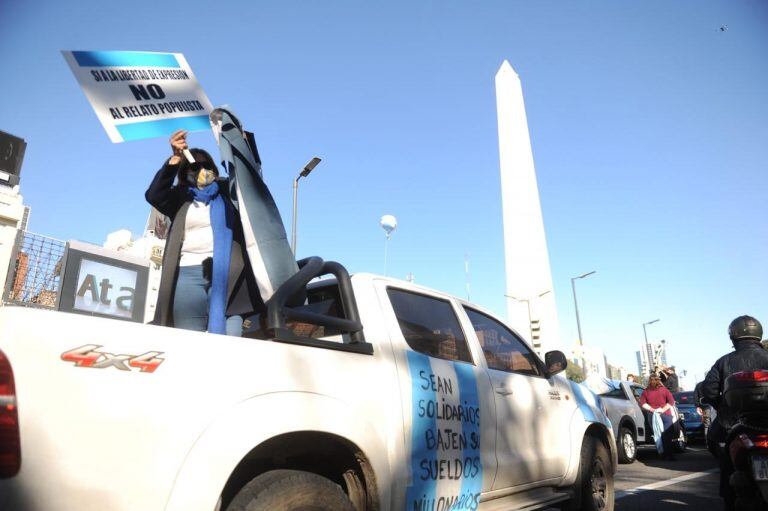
[
  {"x": 530, "y": 295},
  {"x": 591, "y": 359},
  {"x": 617, "y": 372},
  {"x": 14, "y": 216},
  {"x": 661, "y": 353},
  {"x": 651, "y": 354},
  {"x": 595, "y": 361}
]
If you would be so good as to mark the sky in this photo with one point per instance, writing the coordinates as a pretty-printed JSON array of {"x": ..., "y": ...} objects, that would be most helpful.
[{"x": 648, "y": 125}]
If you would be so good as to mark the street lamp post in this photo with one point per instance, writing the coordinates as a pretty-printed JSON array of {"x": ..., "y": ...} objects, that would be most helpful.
[
  {"x": 645, "y": 333},
  {"x": 309, "y": 167},
  {"x": 389, "y": 224},
  {"x": 576, "y": 302},
  {"x": 578, "y": 320}
]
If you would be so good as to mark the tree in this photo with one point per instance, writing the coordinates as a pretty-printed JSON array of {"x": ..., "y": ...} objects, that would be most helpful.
[{"x": 574, "y": 372}]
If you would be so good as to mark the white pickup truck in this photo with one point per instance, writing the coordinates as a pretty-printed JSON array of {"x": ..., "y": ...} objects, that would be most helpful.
[{"x": 376, "y": 395}]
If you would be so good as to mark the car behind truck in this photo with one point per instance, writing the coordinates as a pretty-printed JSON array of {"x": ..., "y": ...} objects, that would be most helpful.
[
  {"x": 631, "y": 424},
  {"x": 376, "y": 394}
]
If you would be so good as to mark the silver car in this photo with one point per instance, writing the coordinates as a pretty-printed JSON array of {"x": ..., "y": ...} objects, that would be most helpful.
[{"x": 630, "y": 427}]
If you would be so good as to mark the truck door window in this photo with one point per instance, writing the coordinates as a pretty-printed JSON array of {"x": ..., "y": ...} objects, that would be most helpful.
[
  {"x": 503, "y": 349},
  {"x": 429, "y": 325}
]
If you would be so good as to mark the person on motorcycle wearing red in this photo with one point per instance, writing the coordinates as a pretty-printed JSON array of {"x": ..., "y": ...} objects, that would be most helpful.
[{"x": 745, "y": 333}]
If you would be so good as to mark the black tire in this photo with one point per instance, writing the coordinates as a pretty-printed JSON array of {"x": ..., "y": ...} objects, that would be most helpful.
[
  {"x": 290, "y": 490},
  {"x": 749, "y": 504},
  {"x": 594, "y": 484},
  {"x": 680, "y": 444},
  {"x": 627, "y": 445}
]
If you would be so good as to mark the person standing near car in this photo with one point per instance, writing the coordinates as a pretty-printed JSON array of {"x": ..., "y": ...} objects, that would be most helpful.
[
  {"x": 745, "y": 333},
  {"x": 671, "y": 381},
  {"x": 656, "y": 398},
  {"x": 708, "y": 415}
]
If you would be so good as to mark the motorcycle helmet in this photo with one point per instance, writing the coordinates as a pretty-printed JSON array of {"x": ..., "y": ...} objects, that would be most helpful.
[{"x": 745, "y": 327}]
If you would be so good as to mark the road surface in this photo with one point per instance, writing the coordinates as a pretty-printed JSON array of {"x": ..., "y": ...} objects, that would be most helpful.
[{"x": 652, "y": 484}]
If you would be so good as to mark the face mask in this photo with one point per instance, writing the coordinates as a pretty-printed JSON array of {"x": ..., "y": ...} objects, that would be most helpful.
[
  {"x": 200, "y": 178},
  {"x": 205, "y": 177}
]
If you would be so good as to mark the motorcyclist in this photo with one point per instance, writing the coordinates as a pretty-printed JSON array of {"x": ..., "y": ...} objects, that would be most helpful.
[{"x": 745, "y": 333}]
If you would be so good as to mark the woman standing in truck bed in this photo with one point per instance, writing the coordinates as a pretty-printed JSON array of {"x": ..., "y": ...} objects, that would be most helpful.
[{"x": 207, "y": 283}]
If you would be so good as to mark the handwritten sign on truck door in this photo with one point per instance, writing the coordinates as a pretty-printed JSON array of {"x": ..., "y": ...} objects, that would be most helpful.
[{"x": 446, "y": 468}]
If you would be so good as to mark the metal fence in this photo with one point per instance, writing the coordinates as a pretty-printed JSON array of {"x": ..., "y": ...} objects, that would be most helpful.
[{"x": 35, "y": 271}]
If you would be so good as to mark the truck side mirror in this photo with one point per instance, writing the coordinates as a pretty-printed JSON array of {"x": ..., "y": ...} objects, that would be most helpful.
[{"x": 555, "y": 362}]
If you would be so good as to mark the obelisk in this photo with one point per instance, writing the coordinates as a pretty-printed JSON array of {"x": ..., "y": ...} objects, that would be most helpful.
[{"x": 526, "y": 259}]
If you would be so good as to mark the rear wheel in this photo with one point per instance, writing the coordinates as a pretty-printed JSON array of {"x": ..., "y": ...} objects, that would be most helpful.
[
  {"x": 290, "y": 490},
  {"x": 627, "y": 445}
]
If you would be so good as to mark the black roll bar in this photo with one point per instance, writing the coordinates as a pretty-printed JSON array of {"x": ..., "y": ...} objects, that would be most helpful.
[{"x": 279, "y": 310}]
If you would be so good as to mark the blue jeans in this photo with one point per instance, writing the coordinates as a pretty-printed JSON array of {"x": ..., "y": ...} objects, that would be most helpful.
[{"x": 190, "y": 302}]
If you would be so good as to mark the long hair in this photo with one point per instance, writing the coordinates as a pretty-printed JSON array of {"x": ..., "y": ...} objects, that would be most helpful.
[{"x": 654, "y": 382}]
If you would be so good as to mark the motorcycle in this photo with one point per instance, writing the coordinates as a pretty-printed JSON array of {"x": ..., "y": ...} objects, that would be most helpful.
[{"x": 747, "y": 441}]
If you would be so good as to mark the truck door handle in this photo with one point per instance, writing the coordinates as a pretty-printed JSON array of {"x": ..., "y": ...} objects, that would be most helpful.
[{"x": 504, "y": 391}]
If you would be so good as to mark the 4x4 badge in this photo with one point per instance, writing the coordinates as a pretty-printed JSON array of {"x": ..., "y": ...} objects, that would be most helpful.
[{"x": 87, "y": 356}]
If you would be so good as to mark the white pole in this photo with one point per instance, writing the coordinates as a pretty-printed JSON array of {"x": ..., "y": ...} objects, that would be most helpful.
[
  {"x": 466, "y": 273},
  {"x": 386, "y": 244}
]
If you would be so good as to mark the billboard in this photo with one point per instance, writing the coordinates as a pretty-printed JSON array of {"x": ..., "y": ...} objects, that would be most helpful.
[
  {"x": 102, "y": 282},
  {"x": 105, "y": 289},
  {"x": 12, "y": 150}
]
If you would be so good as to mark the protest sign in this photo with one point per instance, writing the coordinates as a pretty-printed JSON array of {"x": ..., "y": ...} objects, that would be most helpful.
[{"x": 138, "y": 94}]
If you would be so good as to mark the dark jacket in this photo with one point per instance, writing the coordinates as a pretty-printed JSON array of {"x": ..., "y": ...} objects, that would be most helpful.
[
  {"x": 697, "y": 395},
  {"x": 672, "y": 383},
  {"x": 174, "y": 201},
  {"x": 748, "y": 356}
]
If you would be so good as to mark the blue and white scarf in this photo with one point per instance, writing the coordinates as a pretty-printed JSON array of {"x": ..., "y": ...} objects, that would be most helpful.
[
  {"x": 221, "y": 223},
  {"x": 658, "y": 430}
]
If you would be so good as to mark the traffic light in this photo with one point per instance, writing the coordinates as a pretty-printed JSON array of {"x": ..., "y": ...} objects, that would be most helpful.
[{"x": 535, "y": 329}]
